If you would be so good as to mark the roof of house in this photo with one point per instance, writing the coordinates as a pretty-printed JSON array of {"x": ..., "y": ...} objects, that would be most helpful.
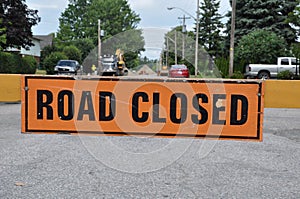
[{"x": 45, "y": 40}]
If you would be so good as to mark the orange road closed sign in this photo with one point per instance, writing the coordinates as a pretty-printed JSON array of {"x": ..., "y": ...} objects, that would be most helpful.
[{"x": 218, "y": 109}]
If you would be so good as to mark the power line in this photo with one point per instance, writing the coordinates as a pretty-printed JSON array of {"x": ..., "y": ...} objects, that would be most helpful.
[{"x": 183, "y": 22}]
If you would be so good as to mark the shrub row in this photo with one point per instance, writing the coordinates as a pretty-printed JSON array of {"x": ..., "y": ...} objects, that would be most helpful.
[
  {"x": 52, "y": 55},
  {"x": 287, "y": 75},
  {"x": 15, "y": 64}
]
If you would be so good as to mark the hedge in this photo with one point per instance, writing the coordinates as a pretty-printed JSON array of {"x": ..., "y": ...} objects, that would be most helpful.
[{"x": 15, "y": 64}]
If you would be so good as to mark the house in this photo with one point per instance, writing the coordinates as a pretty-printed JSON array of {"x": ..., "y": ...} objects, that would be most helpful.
[
  {"x": 45, "y": 40},
  {"x": 39, "y": 42},
  {"x": 34, "y": 50}
]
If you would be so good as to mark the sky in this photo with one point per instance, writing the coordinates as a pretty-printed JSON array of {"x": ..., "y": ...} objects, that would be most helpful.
[{"x": 156, "y": 19}]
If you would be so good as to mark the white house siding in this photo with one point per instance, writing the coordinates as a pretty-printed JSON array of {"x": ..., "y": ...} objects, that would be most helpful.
[{"x": 34, "y": 50}]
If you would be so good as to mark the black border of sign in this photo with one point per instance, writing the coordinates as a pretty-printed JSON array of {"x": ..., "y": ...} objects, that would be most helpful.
[{"x": 257, "y": 137}]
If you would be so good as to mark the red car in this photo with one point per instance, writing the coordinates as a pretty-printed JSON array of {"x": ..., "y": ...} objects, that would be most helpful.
[{"x": 179, "y": 71}]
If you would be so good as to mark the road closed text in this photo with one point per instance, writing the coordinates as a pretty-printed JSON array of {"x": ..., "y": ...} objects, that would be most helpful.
[
  {"x": 194, "y": 109},
  {"x": 65, "y": 101}
]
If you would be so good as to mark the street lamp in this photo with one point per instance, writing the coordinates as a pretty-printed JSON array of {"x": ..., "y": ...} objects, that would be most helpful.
[{"x": 197, "y": 32}]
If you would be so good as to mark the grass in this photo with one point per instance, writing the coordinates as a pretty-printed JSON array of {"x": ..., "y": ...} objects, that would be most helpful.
[{"x": 40, "y": 72}]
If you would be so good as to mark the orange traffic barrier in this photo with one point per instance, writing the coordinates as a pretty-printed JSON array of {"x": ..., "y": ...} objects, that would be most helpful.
[
  {"x": 10, "y": 88},
  {"x": 230, "y": 109},
  {"x": 282, "y": 94}
]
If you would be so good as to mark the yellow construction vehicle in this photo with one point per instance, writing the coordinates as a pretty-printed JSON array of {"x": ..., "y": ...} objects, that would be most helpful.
[{"x": 113, "y": 65}]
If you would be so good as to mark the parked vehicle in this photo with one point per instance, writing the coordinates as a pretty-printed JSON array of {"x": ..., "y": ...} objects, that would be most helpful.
[
  {"x": 179, "y": 71},
  {"x": 113, "y": 65},
  {"x": 164, "y": 71},
  {"x": 267, "y": 71},
  {"x": 67, "y": 67}
]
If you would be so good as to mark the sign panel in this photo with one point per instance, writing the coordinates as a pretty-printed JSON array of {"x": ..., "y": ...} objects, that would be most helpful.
[{"x": 219, "y": 109}]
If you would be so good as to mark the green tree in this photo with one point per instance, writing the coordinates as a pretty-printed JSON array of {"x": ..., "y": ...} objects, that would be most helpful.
[
  {"x": 28, "y": 65},
  {"x": 294, "y": 18},
  {"x": 131, "y": 43},
  {"x": 8, "y": 62},
  {"x": 175, "y": 36},
  {"x": 269, "y": 15},
  {"x": 2, "y": 35},
  {"x": 72, "y": 53},
  {"x": 17, "y": 21},
  {"x": 80, "y": 19},
  {"x": 85, "y": 45},
  {"x": 296, "y": 50},
  {"x": 15, "y": 64},
  {"x": 51, "y": 61},
  {"x": 261, "y": 46},
  {"x": 47, "y": 50},
  {"x": 210, "y": 27},
  {"x": 116, "y": 16},
  {"x": 74, "y": 22}
]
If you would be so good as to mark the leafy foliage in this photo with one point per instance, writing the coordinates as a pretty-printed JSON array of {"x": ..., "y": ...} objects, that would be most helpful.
[
  {"x": 28, "y": 65},
  {"x": 79, "y": 26},
  {"x": 85, "y": 45},
  {"x": 174, "y": 38},
  {"x": 14, "y": 64},
  {"x": 74, "y": 21},
  {"x": 222, "y": 64},
  {"x": 17, "y": 21},
  {"x": 294, "y": 18},
  {"x": 2, "y": 35},
  {"x": 261, "y": 46},
  {"x": 47, "y": 50},
  {"x": 205, "y": 62},
  {"x": 285, "y": 75},
  {"x": 51, "y": 61},
  {"x": 269, "y": 15},
  {"x": 237, "y": 75},
  {"x": 80, "y": 19},
  {"x": 72, "y": 53},
  {"x": 8, "y": 62},
  {"x": 296, "y": 50},
  {"x": 128, "y": 41}
]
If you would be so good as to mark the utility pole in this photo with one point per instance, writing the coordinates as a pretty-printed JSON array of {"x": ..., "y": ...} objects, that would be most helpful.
[
  {"x": 183, "y": 34},
  {"x": 167, "y": 64},
  {"x": 197, "y": 40},
  {"x": 99, "y": 46},
  {"x": 197, "y": 33},
  {"x": 231, "y": 55},
  {"x": 175, "y": 47}
]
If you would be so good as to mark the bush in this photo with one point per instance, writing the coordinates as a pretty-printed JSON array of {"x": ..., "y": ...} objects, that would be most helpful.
[
  {"x": 14, "y": 64},
  {"x": 8, "y": 62},
  {"x": 72, "y": 53},
  {"x": 222, "y": 64},
  {"x": 85, "y": 45},
  {"x": 28, "y": 65},
  {"x": 51, "y": 61},
  {"x": 261, "y": 47},
  {"x": 237, "y": 75},
  {"x": 285, "y": 75},
  {"x": 47, "y": 50}
]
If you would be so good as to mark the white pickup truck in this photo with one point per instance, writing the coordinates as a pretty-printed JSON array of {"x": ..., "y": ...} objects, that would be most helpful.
[{"x": 267, "y": 71}]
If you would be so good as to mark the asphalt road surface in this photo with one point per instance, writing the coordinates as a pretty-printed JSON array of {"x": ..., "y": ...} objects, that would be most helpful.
[{"x": 64, "y": 166}]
